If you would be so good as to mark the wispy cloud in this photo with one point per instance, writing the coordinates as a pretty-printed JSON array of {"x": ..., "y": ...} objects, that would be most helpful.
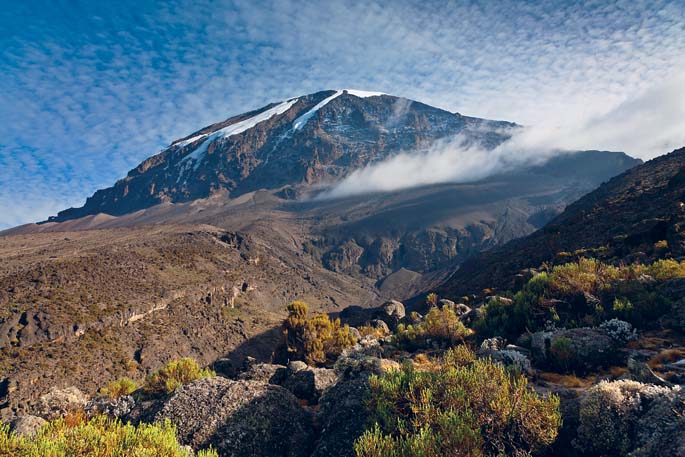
[
  {"x": 92, "y": 88},
  {"x": 653, "y": 122}
]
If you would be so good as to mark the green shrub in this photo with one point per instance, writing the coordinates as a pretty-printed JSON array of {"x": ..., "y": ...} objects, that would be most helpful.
[
  {"x": 374, "y": 332},
  {"x": 561, "y": 353},
  {"x": 462, "y": 406},
  {"x": 441, "y": 326},
  {"x": 99, "y": 436},
  {"x": 526, "y": 311},
  {"x": 580, "y": 293},
  {"x": 623, "y": 309},
  {"x": 665, "y": 269},
  {"x": 175, "y": 374},
  {"x": 585, "y": 276},
  {"x": 120, "y": 387},
  {"x": 316, "y": 339}
]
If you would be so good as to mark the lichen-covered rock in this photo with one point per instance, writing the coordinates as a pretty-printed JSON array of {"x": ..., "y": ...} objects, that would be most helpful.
[
  {"x": 470, "y": 317},
  {"x": 296, "y": 365},
  {"x": 58, "y": 402},
  {"x": 393, "y": 308},
  {"x": 343, "y": 417},
  {"x": 27, "y": 426},
  {"x": 661, "y": 430},
  {"x": 113, "y": 407},
  {"x": 264, "y": 372},
  {"x": 622, "y": 417},
  {"x": 579, "y": 349},
  {"x": 309, "y": 383},
  {"x": 240, "y": 418},
  {"x": 361, "y": 361},
  {"x": 391, "y": 312}
]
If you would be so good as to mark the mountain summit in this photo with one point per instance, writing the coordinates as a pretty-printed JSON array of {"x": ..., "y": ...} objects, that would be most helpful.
[{"x": 307, "y": 140}]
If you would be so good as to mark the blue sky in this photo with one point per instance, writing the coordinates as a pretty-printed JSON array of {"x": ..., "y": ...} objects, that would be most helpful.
[{"x": 90, "y": 88}]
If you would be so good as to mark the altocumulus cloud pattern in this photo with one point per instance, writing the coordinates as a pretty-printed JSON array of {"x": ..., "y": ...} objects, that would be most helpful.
[{"x": 92, "y": 88}]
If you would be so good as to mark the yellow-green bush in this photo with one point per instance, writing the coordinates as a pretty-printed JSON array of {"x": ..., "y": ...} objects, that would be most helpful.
[
  {"x": 665, "y": 269},
  {"x": 100, "y": 436},
  {"x": 463, "y": 406},
  {"x": 587, "y": 275},
  {"x": 174, "y": 375},
  {"x": 119, "y": 388},
  {"x": 374, "y": 332},
  {"x": 316, "y": 339},
  {"x": 441, "y": 325},
  {"x": 582, "y": 293}
]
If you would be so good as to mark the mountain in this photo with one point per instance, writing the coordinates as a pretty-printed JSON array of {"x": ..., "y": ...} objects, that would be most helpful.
[
  {"x": 265, "y": 165},
  {"x": 198, "y": 250},
  {"x": 306, "y": 140},
  {"x": 637, "y": 215}
]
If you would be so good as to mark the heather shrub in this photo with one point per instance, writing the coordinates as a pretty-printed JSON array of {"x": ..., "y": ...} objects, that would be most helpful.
[
  {"x": 99, "y": 436},
  {"x": 174, "y": 375},
  {"x": 461, "y": 406},
  {"x": 432, "y": 299},
  {"x": 316, "y": 339},
  {"x": 119, "y": 388},
  {"x": 665, "y": 269},
  {"x": 441, "y": 327}
]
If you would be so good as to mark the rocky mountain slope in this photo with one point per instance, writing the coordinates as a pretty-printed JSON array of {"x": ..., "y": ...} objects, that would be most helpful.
[
  {"x": 638, "y": 215},
  {"x": 200, "y": 248},
  {"x": 264, "y": 166}
]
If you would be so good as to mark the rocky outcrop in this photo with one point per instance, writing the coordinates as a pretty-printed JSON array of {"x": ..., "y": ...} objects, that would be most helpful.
[
  {"x": 27, "y": 426},
  {"x": 344, "y": 258},
  {"x": 58, "y": 402},
  {"x": 581, "y": 349},
  {"x": 240, "y": 418},
  {"x": 308, "y": 383},
  {"x": 343, "y": 415},
  {"x": 113, "y": 407}
]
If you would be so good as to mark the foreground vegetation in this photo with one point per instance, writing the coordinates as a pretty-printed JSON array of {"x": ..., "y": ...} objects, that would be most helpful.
[
  {"x": 457, "y": 406},
  {"x": 100, "y": 436}
]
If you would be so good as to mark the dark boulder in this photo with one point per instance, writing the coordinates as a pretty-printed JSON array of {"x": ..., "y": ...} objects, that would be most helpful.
[{"x": 240, "y": 418}]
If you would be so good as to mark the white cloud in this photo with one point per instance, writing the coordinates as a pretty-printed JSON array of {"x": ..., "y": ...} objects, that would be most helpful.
[{"x": 652, "y": 122}]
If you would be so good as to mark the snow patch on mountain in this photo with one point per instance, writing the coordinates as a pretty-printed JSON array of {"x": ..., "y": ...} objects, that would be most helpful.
[
  {"x": 239, "y": 127},
  {"x": 302, "y": 120},
  {"x": 363, "y": 93}
]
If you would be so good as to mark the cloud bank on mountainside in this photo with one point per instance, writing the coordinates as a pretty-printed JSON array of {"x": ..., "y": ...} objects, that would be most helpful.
[{"x": 653, "y": 121}]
